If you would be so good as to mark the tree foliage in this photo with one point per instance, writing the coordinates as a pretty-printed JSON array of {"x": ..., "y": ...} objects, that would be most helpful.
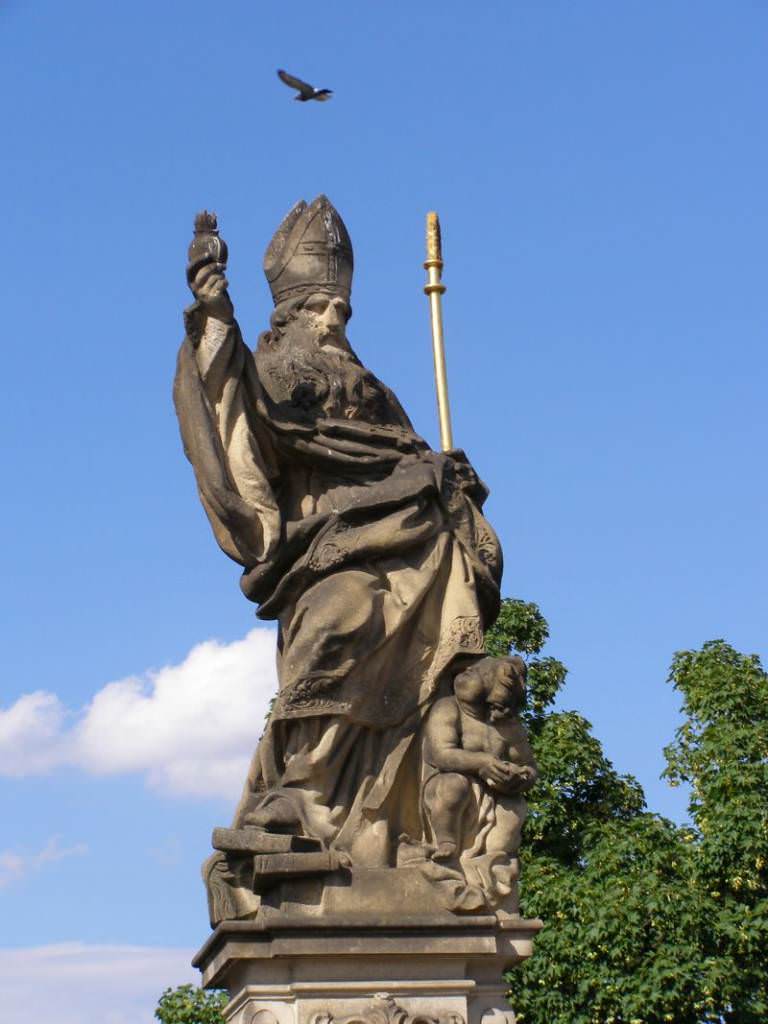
[
  {"x": 721, "y": 751},
  {"x": 645, "y": 921},
  {"x": 188, "y": 1004}
]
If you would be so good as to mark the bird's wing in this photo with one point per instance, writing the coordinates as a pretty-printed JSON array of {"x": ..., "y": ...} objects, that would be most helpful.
[{"x": 295, "y": 83}]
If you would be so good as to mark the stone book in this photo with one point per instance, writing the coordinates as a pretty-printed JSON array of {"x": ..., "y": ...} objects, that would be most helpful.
[{"x": 254, "y": 840}]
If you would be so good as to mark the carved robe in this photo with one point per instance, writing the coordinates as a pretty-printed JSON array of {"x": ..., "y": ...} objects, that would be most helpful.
[{"x": 368, "y": 548}]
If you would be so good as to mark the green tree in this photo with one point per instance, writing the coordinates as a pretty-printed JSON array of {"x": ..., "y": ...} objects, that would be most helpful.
[
  {"x": 645, "y": 921},
  {"x": 188, "y": 1004},
  {"x": 721, "y": 751}
]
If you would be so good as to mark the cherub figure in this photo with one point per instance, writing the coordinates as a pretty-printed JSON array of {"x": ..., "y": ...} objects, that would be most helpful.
[{"x": 478, "y": 763}]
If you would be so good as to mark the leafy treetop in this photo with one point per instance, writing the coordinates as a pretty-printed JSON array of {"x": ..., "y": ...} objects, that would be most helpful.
[
  {"x": 646, "y": 922},
  {"x": 188, "y": 1004}
]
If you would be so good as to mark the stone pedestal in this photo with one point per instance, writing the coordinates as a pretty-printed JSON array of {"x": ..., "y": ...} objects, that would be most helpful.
[{"x": 437, "y": 969}]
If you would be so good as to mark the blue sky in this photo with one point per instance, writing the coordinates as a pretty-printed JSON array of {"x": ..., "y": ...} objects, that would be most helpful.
[{"x": 599, "y": 170}]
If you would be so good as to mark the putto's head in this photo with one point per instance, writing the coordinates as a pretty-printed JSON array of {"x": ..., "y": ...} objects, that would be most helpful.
[{"x": 499, "y": 683}]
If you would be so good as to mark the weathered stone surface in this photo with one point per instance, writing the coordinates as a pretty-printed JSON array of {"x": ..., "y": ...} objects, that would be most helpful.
[
  {"x": 269, "y": 869},
  {"x": 477, "y": 764},
  {"x": 338, "y": 971},
  {"x": 392, "y": 769},
  {"x": 384, "y": 1009},
  {"x": 255, "y": 840}
]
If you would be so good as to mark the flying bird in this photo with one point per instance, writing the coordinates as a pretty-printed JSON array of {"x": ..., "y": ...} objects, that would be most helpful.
[{"x": 306, "y": 91}]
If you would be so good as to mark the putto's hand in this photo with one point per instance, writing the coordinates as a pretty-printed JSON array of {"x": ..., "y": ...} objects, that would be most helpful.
[
  {"x": 209, "y": 286},
  {"x": 494, "y": 771}
]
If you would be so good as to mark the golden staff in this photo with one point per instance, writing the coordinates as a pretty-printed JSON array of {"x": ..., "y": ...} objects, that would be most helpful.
[{"x": 434, "y": 288}]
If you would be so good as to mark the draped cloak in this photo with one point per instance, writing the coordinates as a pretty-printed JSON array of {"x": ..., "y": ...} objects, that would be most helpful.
[{"x": 368, "y": 548}]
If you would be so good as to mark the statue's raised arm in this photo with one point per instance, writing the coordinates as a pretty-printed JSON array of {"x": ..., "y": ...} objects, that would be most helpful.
[
  {"x": 217, "y": 395},
  {"x": 368, "y": 548}
]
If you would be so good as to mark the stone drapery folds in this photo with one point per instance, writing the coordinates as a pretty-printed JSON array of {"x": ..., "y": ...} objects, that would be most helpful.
[{"x": 370, "y": 551}]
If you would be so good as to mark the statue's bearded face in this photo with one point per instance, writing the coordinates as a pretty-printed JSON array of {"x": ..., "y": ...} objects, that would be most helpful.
[{"x": 324, "y": 317}]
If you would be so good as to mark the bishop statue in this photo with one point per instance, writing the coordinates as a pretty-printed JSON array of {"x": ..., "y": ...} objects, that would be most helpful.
[{"x": 393, "y": 744}]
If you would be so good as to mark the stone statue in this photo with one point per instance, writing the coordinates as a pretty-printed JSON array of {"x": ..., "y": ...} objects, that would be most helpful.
[
  {"x": 477, "y": 764},
  {"x": 372, "y": 554}
]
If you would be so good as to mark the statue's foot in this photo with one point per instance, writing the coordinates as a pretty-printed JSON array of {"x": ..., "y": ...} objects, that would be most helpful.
[
  {"x": 277, "y": 816},
  {"x": 444, "y": 851}
]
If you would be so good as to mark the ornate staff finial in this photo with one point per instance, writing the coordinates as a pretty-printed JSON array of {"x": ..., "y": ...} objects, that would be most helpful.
[{"x": 434, "y": 240}]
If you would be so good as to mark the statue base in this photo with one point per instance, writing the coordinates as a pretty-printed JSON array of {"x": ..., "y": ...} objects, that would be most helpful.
[{"x": 282, "y": 968}]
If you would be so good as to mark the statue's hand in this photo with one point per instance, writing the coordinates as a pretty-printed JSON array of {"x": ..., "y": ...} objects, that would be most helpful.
[
  {"x": 209, "y": 286},
  {"x": 494, "y": 771},
  {"x": 519, "y": 779},
  {"x": 467, "y": 477}
]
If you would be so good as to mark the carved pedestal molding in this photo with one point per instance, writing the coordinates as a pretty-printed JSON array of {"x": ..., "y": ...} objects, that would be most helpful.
[
  {"x": 294, "y": 972},
  {"x": 384, "y": 1009}
]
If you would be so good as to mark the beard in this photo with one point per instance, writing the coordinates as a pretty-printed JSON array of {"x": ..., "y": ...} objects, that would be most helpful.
[{"x": 309, "y": 374}]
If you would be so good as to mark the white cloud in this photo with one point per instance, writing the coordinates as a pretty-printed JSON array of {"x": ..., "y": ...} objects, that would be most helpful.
[
  {"x": 32, "y": 735},
  {"x": 190, "y": 729},
  {"x": 75, "y": 983},
  {"x": 14, "y": 865}
]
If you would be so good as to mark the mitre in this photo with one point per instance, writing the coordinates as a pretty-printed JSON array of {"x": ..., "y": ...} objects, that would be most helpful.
[{"x": 310, "y": 252}]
